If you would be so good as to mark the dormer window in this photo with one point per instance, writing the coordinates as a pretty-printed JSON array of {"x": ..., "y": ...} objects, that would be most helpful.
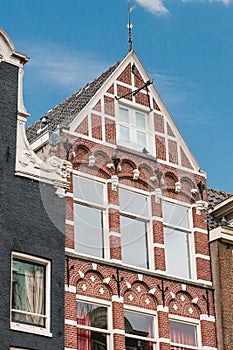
[{"x": 132, "y": 128}]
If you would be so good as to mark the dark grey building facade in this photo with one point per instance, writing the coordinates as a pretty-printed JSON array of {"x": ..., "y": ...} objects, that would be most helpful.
[{"x": 32, "y": 219}]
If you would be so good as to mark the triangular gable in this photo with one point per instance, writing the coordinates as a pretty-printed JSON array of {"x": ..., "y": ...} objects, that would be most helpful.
[{"x": 98, "y": 120}]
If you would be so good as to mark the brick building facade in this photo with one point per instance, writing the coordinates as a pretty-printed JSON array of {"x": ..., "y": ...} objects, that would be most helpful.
[
  {"x": 138, "y": 272},
  {"x": 221, "y": 248}
]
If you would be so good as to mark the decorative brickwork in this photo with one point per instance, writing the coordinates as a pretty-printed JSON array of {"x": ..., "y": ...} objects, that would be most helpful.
[{"x": 150, "y": 221}]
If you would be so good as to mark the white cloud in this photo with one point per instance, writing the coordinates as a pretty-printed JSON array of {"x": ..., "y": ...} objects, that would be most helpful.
[
  {"x": 158, "y": 6},
  {"x": 153, "y": 6},
  {"x": 59, "y": 66},
  {"x": 225, "y": 2}
]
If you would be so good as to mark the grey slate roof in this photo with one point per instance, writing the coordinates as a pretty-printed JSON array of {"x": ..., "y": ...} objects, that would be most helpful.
[
  {"x": 65, "y": 112},
  {"x": 215, "y": 197}
]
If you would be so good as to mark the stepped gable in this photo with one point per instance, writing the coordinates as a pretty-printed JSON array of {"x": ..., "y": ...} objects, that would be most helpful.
[
  {"x": 215, "y": 197},
  {"x": 65, "y": 112}
]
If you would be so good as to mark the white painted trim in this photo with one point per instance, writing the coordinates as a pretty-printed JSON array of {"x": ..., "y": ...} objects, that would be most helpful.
[
  {"x": 208, "y": 283},
  {"x": 117, "y": 261},
  {"x": 70, "y": 322},
  {"x": 40, "y": 142},
  {"x": 69, "y": 222},
  {"x": 108, "y": 305},
  {"x": 200, "y": 230},
  {"x": 84, "y": 137},
  {"x": 164, "y": 340},
  {"x": 158, "y": 245},
  {"x": 113, "y": 233},
  {"x": 156, "y": 218},
  {"x": 184, "y": 319},
  {"x": 84, "y": 298},
  {"x": 30, "y": 329},
  {"x": 69, "y": 194},
  {"x": 113, "y": 206},
  {"x": 8, "y": 53},
  {"x": 70, "y": 289},
  {"x": 190, "y": 321},
  {"x": 204, "y": 317},
  {"x": 184, "y": 287},
  {"x": 140, "y": 310},
  {"x": 54, "y": 170},
  {"x": 223, "y": 233},
  {"x": 202, "y": 256},
  {"x": 70, "y": 250},
  {"x": 179, "y": 167},
  {"x": 116, "y": 299},
  {"x": 209, "y": 348},
  {"x": 118, "y": 331},
  {"x": 163, "y": 308},
  {"x": 27, "y": 327},
  {"x": 161, "y": 272}
]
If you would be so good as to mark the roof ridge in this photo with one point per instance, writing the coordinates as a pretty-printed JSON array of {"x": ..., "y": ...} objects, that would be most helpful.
[{"x": 65, "y": 112}]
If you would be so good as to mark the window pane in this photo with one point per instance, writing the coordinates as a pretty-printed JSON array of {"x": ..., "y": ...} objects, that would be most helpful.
[
  {"x": 136, "y": 344},
  {"x": 88, "y": 230},
  {"x": 124, "y": 134},
  {"x": 92, "y": 315},
  {"x": 177, "y": 252},
  {"x": 140, "y": 120},
  {"x": 141, "y": 139},
  {"x": 88, "y": 190},
  {"x": 124, "y": 115},
  {"x": 133, "y": 203},
  {"x": 134, "y": 242},
  {"x": 28, "y": 292},
  {"x": 139, "y": 324},
  {"x": 175, "y": 215},
  {"x": 183, "y": 333}
]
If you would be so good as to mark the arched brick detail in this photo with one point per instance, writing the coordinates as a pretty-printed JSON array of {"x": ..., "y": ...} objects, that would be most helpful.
[
  {"x": 79, "y": 271},
  {"x": 187, "y": 183},
  {"x": 127, "y": 167},
  {"x": 182, "y": 305},
  {"x": 170, "y": 180},
  {"x": 82, "y": 152},
  {"x": 138, "y": 295},
  {"x": 146, "y": 171},
  {"x": 92, "y": 285},
  {"x": 101, "y": 159}
]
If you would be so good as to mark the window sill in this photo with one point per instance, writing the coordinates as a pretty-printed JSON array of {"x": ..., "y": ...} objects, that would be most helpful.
[{"x": 30, "y": 329}]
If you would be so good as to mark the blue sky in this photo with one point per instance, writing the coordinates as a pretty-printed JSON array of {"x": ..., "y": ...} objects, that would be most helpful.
[{"x": 186, "y": 46}]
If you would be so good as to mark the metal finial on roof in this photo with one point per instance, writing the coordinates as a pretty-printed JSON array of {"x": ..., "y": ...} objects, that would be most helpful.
[{"x": 130, "y": 27}]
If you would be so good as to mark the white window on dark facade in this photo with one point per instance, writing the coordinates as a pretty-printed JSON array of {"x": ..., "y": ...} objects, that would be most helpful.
[
  {"x": 177, "y": 238},
  {"x": 30, "y": 294},
  {"x": 89, "y": 216},
  {"x": 133, "y": 128},
  {"x": 184, "y": 336},
  {"x": 134, "y": 225},
  {"x": 92, "y": 326},
  {"x": 139, "y": 331}
]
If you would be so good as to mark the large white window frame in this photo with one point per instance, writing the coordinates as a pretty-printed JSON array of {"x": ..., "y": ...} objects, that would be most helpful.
[
  {"x": 108, "y": 331},
  {"x": 178, "y": 229},
  {"x": 181, "y": 342},
  {"x": 96, "y": 211},
  {"x": 140, "y": 312},
  {"x": 130, "y": 216},
  {"x": 26, "y": 326},
  {"x": 133, "y": 128}
]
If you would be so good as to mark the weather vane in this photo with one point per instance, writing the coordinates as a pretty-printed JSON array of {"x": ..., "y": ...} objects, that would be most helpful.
[{"x": 130, "y": 27}]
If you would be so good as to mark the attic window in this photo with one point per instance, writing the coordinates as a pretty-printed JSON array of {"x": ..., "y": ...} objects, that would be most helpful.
[{"x": 133, "y": 128}]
